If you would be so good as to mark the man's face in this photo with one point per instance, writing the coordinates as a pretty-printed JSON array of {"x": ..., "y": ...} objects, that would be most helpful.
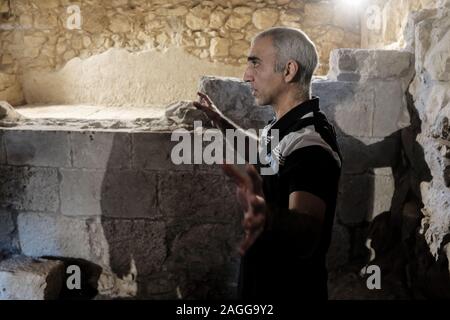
[{"x": 260, "y": 73}]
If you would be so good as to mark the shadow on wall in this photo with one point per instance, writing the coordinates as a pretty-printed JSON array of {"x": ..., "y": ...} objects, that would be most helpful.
[
  {"x": 408, "y": 269},
  {"x": 172, "y": 228}
]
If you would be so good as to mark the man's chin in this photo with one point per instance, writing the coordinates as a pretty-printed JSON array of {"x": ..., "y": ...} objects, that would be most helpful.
[{"x": 259, "y": 102}]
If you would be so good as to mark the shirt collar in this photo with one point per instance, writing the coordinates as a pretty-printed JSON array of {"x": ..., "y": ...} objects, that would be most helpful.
[{"x": 293, "y": 115}]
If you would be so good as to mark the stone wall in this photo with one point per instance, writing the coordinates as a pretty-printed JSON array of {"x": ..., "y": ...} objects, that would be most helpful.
[
  {"x": 113, "y": 200},
  {"x": 384, "y": 22},
  {"x": 431, "y": 93},
  {"x": 34, "y": 34}
]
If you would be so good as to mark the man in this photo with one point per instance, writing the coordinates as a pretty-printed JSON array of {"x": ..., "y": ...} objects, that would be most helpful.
[{"x": 288, "y": 216}]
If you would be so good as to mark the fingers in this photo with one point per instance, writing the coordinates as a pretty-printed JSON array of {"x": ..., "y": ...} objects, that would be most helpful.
[
  {"x": 201, "y": 107},
  {"x": 255, "y": 178},
  {"x": 253, "y": 222},
  {"x": 204, "y": 98},
  {"x": 205, "y": 102}
]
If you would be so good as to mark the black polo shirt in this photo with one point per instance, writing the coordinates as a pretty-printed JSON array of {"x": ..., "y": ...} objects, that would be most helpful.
[{"x": 306, "y": 158}]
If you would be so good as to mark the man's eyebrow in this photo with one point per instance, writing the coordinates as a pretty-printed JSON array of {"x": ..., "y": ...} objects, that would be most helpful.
[{"x": 253, "y": 59}]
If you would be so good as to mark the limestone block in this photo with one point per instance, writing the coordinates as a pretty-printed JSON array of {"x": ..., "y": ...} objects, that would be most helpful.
[
  {"x": 29, "y": 188},
  {"x": 201, "y": 42},
  {"x": 60, "y": 236},
  {"x": 355, "y": 198},
  {"x": 188, "y": 197},
  {"x": 46, "y": 20},
  {"x": 138, "y": 241},
  {"x": 99, "y": 150},
  {"x": 219, "y": 47},
  {"x": 33, "y": 41},
  {"x": 112, "y": 193},
  {"x": 237, "y": 21},
  {"x": 265, "y": 18},
  {"x": 390, "y": 113},
  {"x": 196, "y": 23},
  {"x": 370, "y": 64},
  {"x": 81, "y": 192},
  {"x": 129, "y": 193},
  {"x": 38, "y": 148},
  {"x": 152, "y": 151},
  {"x": 217, "y": 19},
  {"x": 348, "y": 105},
  {"x": 24, "y": 278}
]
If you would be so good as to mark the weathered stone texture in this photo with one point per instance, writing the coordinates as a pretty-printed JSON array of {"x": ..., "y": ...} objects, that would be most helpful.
[
  {"x": 100, "y": 150},
  {"x": 38, "y": 148},
  {"x": 431, "y": 93},
  {"x": 29, "y": 188},
  {"x": 24, "y": 278},
  {"x": 44, "y": 39}
]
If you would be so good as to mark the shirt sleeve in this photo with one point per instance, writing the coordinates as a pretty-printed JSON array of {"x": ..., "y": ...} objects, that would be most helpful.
[{"x": 313, "y": 169}]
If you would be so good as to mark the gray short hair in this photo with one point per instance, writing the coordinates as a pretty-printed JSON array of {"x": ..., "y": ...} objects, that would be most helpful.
[{"x": 294, "y": 44}]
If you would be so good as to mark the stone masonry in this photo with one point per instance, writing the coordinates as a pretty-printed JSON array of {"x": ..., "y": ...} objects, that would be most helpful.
[{"x": 44, "y": 35}]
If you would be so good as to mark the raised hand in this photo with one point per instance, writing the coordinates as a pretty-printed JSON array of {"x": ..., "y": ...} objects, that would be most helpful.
[
  {"x": 251, "y": 197},
  {"x": 212, "y": 112}
]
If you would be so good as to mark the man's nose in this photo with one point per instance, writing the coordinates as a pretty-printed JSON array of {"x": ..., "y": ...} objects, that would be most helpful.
[{"x": 248, "y": 77}]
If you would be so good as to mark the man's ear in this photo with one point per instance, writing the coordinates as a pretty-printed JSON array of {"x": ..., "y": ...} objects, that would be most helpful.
[{"x": 291, "y": 71}]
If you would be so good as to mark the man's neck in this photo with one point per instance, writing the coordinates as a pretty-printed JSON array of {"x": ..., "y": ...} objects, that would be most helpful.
[{"x": 288, "y": 103}]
